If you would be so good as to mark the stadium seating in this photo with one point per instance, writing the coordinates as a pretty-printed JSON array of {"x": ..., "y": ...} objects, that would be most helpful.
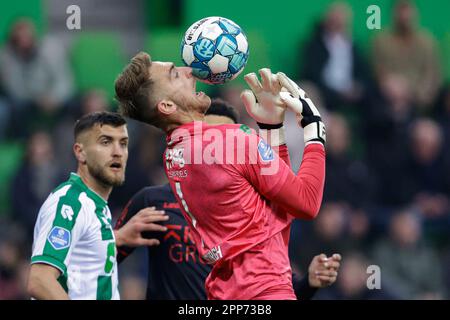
[{"x": 97, "y": 58}]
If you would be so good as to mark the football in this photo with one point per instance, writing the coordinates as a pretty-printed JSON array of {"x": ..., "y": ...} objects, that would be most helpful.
[{"x": 216, "y": 49}]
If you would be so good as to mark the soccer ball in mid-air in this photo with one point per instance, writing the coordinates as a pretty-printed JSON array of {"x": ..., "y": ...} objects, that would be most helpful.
[{"x": 216, "y": 49}]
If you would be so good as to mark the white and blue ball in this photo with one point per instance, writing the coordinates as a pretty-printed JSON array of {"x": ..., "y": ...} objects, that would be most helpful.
[{"x": 216, "y": 49}]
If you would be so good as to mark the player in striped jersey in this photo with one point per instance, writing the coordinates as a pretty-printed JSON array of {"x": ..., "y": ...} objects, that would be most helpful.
[{"x": 74, "y": 248}]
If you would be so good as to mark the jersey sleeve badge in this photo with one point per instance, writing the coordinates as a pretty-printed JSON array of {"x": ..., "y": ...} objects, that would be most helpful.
[
  {"x": 59, "y": 238},
  {"x": 265, "y": 151}
]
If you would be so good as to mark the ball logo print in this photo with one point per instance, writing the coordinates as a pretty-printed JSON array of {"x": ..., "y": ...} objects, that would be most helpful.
[
  {"x": 216, "y": 49},
  {"x": 204, "y": 49}
]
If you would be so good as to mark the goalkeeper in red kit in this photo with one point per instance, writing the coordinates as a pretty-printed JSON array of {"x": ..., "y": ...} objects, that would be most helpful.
[{"x": 238, "y": 194}]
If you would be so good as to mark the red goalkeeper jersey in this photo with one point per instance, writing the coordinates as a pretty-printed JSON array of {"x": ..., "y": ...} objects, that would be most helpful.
[{"x": 240, "y": 196}]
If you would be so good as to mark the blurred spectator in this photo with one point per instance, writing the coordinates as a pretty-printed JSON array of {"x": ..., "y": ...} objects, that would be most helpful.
[
  {"x": 359, "y": 228},
  {"x": 443, "y": 116},
  {"x": 35, "y": 178},
  {"x": 410, "y": 53},
  {"x": 408, "y": 265},
  {"x": 427, "y": 169},
  {"x": 9, "y": 271},
  {"x": 91, "y": 101},
  {"x": 443, "y": 113},
  {"x": 36, "y": 82},
  {"x": 346, "y": 176},
  {"x": 332, "y": 61},
  {"x": 351, "y": 283},
  {"x": 388, "y": 117},
  {"x": 5, "y": 117},
  {"x": 336, "y": 229},
  {"x": 446, "y": 269},
  {"x": 12, "y": 261}
]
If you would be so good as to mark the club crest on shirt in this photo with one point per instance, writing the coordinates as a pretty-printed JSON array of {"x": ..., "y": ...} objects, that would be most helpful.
[
  {"x": 265, "y": 151},
  {"x": 59, "y": 238}
]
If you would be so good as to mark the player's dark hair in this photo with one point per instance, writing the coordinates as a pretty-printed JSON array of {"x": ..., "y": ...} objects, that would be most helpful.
[
  {"x": 220, "y": 107},
  {"x": 135, "y": 91},
  {"x": 101, "y": 118}
]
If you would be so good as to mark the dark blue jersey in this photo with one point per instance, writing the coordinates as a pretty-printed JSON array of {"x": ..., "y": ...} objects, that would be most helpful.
[{"x": 176, "y": 271}]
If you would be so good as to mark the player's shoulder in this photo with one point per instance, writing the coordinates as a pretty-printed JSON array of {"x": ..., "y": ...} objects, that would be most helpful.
[
  {"x": 151, "y": 194},
  {"x": 84, "y": 200},
  {"x": 75, "y": 197},
  {"x": 230, "y": 132},
  {"x": 153, "y": 191},
  {"x": 51, "y": 203},
  {"x": 63, "y": 199},
  {"x": 236, "y": 127}
]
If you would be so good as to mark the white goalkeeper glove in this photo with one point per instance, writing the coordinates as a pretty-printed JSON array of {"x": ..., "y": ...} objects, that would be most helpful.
[
  {"x": 307, "y": 114},
  {"x": 264, "y": 104}
]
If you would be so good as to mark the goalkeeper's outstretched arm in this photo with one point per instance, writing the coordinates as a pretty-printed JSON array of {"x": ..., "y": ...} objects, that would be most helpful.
[
  {"x": 301, "y": 194},
  {"x": 266, "y": 102}
]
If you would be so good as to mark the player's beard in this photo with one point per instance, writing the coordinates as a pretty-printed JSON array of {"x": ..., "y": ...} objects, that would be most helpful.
[{"x": 99, "y": 173}]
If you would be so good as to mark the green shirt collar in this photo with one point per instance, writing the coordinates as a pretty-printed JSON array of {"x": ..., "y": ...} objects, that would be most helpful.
[{"x": 76, "y": 180}]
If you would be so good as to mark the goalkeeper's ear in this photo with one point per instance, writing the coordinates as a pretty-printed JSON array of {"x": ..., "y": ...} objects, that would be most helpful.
[{"x": 166, "y": 107}]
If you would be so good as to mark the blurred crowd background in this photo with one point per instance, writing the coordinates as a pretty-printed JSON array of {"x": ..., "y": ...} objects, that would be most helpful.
[{"x": 385, "y": 96}]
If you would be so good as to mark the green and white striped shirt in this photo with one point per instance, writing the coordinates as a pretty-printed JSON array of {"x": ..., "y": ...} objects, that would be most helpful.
[{"x": 73, "y": 233}]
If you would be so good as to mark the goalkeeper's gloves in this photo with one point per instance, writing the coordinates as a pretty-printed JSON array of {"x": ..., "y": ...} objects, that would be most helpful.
[
  {"x": 307, "y": 114},
  {"x": 264, "y": 104}
]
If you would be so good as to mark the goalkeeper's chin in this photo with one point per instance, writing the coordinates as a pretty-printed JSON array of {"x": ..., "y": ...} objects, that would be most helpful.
[{"x": 206, "y": 103}]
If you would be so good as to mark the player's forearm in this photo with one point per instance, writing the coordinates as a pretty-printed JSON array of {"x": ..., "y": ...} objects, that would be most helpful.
[
  {"x": 302, "y": 288},
  {"x": 276, "y": 139},
  {"x": 123, "y": 250},
  {"x": 301, "y": 195},
  {"x": 283, "y": 153},
  {"x": 118, "y": 237},
  {"x": 44, "y": 287}
]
